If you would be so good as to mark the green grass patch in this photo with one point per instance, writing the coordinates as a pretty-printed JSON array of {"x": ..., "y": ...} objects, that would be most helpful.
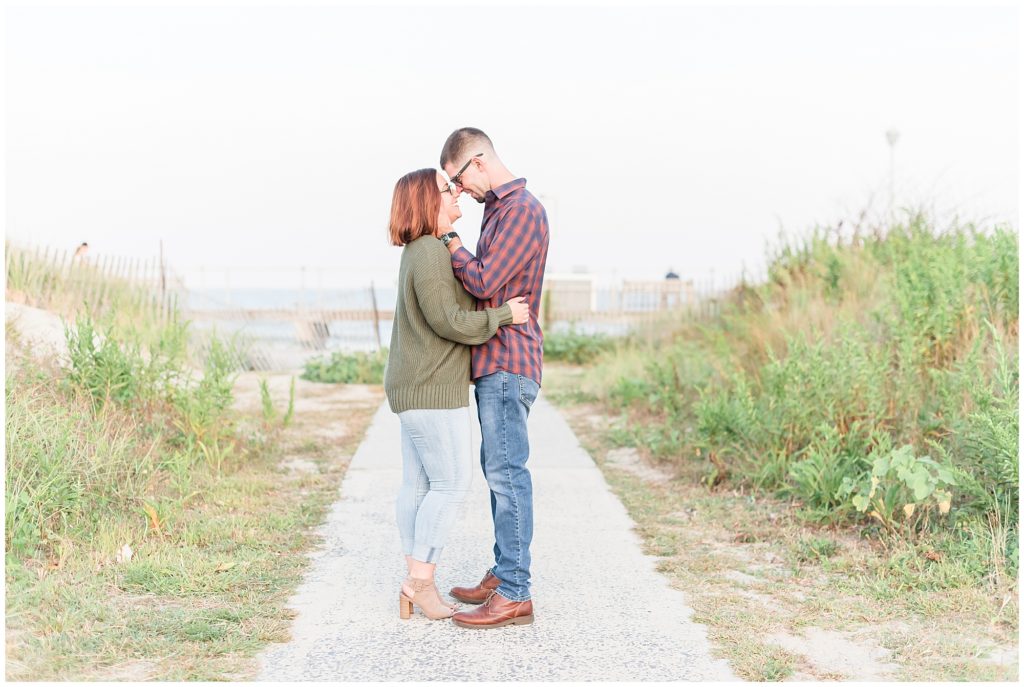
[
  {"x": 814, "y": 549},
  {"x": 348, "y": 368},
  {"x": 576, "y": 348}
]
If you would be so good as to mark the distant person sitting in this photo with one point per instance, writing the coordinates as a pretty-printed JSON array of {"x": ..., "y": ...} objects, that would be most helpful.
[{"x": 81, "y": 251}]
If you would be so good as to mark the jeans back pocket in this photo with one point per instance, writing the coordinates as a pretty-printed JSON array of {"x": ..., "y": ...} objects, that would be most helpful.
[{"x": 528, "y": 390}]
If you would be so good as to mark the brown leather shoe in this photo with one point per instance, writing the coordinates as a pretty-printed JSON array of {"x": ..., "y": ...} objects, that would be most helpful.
[
  {"x": 477, "y": 594},
  {"x": 496, "y": 611}
]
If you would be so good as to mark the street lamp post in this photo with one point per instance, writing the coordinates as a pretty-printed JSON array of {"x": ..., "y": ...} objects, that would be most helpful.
[{"x": 892, "y": 136}]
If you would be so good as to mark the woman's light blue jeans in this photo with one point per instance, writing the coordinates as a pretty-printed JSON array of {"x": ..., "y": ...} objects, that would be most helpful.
[{"x": 437, "y": 468}]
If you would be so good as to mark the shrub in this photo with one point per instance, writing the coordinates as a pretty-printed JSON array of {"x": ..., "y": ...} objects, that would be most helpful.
[
  {"x": 114, "y": 365},
  {"x": 576, "y": 348},
  {"x": 348, "y": 368}
]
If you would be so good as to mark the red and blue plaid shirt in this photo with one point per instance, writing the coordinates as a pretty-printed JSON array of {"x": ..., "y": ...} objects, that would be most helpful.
[{"x": 509, "y": 262}]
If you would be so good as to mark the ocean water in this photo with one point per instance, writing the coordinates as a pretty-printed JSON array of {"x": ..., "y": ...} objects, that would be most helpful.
[
  {"x": 217, "y": 299},
  {"x": 284, "y": 345}
]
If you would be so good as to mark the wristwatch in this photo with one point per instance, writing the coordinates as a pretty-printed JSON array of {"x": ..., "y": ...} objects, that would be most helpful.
[{"x": 447, "y": 238}]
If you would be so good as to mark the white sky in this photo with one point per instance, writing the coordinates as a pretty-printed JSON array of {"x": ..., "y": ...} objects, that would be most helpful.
[{"x": 657, "y": 137}]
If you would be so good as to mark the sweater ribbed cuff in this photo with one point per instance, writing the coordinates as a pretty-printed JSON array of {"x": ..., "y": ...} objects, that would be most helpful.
[
  {"x": 439, "y": 396},
  {"x": 504, "y": 315}
]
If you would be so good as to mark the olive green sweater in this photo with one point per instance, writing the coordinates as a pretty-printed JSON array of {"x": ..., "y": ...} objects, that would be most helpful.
[{"x": 434, "y": 325}]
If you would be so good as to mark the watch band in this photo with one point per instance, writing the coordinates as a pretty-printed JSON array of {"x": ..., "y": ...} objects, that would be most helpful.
[{"x": 447, "y": 238}]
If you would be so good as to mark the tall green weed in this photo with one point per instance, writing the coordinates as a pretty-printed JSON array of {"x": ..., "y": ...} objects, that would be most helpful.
[
  {"x": 130, "y": 411},
  {"x": 886, "y": 355}
]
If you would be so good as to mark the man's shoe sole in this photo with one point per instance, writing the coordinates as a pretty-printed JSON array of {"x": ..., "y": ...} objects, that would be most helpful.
[{"x": 521, "y": 620}]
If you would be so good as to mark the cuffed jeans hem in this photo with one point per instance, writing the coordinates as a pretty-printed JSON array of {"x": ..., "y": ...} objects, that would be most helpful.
[
  {"x": 503, "y": 591},
  {"x": 426, "y": 554}
]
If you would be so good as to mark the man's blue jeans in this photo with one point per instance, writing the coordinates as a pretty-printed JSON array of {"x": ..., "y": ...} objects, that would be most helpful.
[{"x": 503, "y": 403}]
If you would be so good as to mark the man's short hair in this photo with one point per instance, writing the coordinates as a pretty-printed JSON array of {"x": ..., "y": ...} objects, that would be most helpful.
[{"x": 464, "y": 142}]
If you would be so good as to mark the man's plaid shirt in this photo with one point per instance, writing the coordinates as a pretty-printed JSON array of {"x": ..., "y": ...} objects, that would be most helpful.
[{"x": 511, "y": 255}]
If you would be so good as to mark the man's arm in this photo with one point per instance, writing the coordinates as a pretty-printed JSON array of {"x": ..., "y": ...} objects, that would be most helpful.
[
  {"x": 517, "y": 241},
  {"x": 436, "y": 296}
]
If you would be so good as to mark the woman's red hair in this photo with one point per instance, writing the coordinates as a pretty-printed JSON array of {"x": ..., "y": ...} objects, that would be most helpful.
[{"x": 415, "y": 207}]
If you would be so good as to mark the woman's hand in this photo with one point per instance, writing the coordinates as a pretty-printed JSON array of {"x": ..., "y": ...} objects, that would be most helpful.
[{"x": 520, "y": 310}]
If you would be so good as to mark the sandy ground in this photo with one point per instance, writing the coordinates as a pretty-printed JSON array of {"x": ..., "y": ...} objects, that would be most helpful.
[{"x": 40, "y": 330}]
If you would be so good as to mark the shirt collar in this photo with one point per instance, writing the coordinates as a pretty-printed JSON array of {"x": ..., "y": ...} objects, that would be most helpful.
[{"x": 505, "y": 189}]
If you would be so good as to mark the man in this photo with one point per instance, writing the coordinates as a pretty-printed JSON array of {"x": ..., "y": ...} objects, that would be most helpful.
[{"x": 510, "y": 259}]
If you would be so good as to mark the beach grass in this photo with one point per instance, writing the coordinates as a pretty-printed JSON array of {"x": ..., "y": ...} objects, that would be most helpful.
[{"x": 152, "y": 529}]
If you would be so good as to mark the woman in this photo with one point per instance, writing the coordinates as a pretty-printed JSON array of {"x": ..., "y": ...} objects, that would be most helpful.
[{"x": 427, "y": 379}]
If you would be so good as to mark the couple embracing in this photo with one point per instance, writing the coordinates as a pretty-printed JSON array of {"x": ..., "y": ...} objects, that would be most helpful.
[{"x": 459, "y": 317}]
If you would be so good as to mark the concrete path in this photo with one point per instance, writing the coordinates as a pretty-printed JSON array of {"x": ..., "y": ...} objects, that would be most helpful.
[{"x": 602, "y": 611}]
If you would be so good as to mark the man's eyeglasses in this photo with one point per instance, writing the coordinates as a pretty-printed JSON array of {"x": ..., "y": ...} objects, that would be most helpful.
[{"x": 457, "y": 179}]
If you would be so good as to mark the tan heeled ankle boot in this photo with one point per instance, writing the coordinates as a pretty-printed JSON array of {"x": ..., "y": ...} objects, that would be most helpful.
[
  {"x": 446, "y": 602},
  {"x": 426, "y": 597}
]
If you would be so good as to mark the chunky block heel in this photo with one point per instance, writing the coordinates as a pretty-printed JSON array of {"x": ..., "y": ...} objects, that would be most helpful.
[{"x": 404, "y": 607}]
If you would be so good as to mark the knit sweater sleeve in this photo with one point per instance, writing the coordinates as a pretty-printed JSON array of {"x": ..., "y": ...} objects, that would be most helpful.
[{"x": 434, "y": 284}]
